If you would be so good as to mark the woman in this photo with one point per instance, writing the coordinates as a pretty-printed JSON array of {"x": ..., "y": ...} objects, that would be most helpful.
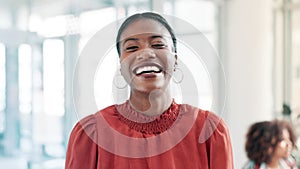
[
  {"x": 150, "y": 130},
  {"x": 269, "y": 145}
]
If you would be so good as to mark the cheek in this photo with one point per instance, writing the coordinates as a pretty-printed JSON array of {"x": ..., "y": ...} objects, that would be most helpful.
[
  {"x": 123, "y": 56},
  {"x": 125, "y": 68},
  {"x": 170, "y": 63},
  {"x": 282, "y": 144},
  {"x": 169, "y": 59}
]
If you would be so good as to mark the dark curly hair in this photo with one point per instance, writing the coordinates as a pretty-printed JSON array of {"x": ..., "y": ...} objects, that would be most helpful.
[{"x": 263, "y": 137}]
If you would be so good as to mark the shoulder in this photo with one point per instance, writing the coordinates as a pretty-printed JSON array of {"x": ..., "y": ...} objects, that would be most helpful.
[
  {"x": 249, "y": 165},
  {"x": 252, "y": 165},
  {"x": 84, "y": 127},
  {"x": 209, "y": 127},
  {"x": 204, "y": 118},
  {"x": 213, "y": 135},
  {"x": 87, "y": 125},
  {"x": 82, "y": 150}
]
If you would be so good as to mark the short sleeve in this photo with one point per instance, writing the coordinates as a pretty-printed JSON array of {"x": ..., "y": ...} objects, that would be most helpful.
[
  {"x": 218, "y": 144},
  {"x": 82, "y": 151}
]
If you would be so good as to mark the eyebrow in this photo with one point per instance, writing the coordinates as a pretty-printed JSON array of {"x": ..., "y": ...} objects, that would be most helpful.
[
  {"x": 136, "y": 39},
  {"x": 130, "y": 39},
  {"x": 157, "y": 36}
]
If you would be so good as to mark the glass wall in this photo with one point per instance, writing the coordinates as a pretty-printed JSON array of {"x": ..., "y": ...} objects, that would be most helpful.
[
  {"x": 295, "y": 62},
  {"x": 2, "y": 92},
  {"x": 25, "y": 96},
  {"x": 203, "y": 16},
  {"x": 287, "y": 62},
  {"x": 286, "y": 52}
]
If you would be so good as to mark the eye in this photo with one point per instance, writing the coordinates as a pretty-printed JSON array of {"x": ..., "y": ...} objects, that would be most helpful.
[
  {"x": 159, "y": 46},
  {"x": 131, "y": 48}
]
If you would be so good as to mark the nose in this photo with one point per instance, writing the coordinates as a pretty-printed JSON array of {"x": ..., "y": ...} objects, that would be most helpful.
[{"x": 146, "y": 54}]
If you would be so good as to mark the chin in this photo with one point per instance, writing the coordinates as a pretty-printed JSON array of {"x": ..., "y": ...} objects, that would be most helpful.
[
  {"x": 287, "y": 155},
  {"x": 149, "y": 90},
  {"x": 148, "y": 87}
]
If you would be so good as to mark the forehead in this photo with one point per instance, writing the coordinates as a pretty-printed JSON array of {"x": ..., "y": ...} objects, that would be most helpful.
[{"x": 144, "y": 27}]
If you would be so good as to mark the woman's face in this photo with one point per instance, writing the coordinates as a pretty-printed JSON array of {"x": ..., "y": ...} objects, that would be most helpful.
[
  {"x": 146, "y": 54},
  {"x": 284, "y": 147}
]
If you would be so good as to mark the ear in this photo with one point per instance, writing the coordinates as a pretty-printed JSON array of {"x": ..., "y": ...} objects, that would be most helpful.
[{"x": 121, "y": 72}]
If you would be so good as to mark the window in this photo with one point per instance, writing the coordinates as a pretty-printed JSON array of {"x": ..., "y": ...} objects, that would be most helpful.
[
  {"x": 295, "y": 54},
  {"x": 53, "y": 77},
  {"x": 25, "y": 79},
  {"x": 25, "y": 96},
  {"x": 93, "y": 21},
  {"x": 203, "y": 20},
  {"x": 2, "y": 87},
  {"x": 5, "y": 18},
  {"x": 286, "y": 56},
  {"x": 202, "y": 15}
]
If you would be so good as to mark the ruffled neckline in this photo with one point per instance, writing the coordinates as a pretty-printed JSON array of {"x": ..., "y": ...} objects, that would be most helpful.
[{"x": 147, "y": 124}]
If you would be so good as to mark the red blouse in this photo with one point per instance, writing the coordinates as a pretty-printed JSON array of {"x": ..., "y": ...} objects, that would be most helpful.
[{"x": 117, "y": 137}]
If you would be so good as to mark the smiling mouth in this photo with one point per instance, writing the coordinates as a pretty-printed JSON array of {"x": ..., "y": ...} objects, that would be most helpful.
[{"x": 147, "y": 69}]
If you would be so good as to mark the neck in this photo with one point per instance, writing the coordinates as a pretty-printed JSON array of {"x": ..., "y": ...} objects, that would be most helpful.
[
  {"x": 150, "y": 104},
  {"x": 273, "y": 164}
]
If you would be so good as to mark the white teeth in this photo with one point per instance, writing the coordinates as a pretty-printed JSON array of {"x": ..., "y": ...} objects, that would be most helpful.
[{"x": 147, "y": 69}]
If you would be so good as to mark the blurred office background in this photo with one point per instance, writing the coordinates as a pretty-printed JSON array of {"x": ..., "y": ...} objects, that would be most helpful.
[{"x": 258, "y": 43}]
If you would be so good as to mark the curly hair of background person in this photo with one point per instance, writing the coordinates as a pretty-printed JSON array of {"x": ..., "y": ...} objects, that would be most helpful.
[{"x": 264, "y": 138}]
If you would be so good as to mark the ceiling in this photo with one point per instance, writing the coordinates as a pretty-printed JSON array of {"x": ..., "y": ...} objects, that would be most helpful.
[{"x": 46, "y": 8}]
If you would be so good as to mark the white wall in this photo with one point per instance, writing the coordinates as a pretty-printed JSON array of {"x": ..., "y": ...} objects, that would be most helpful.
[{"x": 248, "y": 66}]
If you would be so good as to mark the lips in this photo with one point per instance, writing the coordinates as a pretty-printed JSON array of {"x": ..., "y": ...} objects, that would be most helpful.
[{"x": 148, "y": 68}]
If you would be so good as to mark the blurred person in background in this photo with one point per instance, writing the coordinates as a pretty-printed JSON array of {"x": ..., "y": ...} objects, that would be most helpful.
[{"x": 269, "y": 145}]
